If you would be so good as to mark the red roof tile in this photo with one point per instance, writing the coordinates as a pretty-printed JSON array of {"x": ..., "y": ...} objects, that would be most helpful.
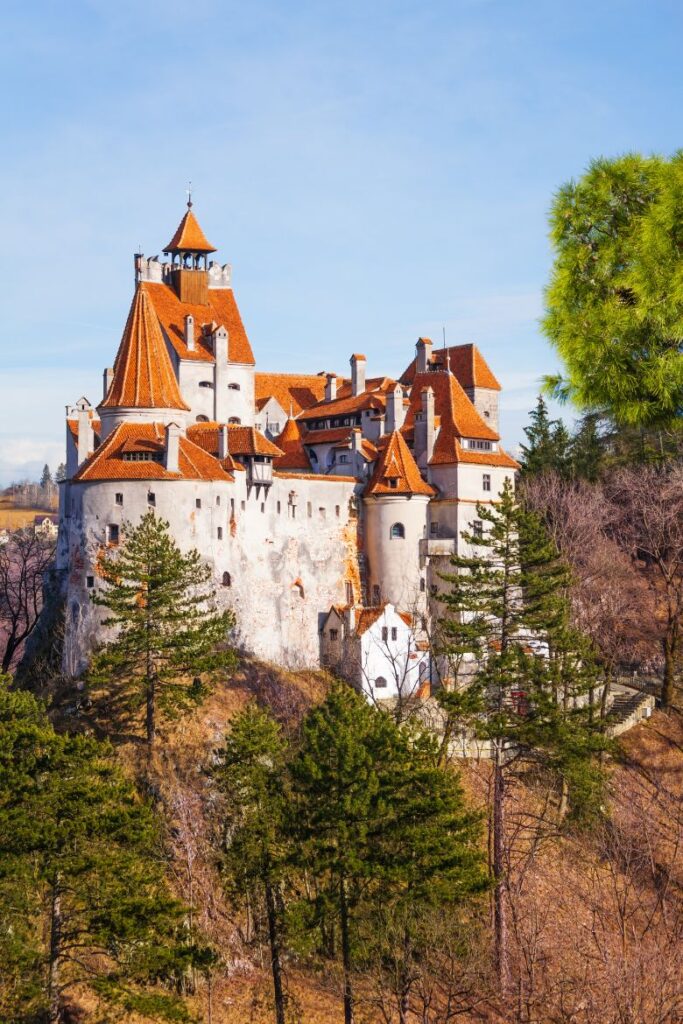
[
  {"x": 107, "y": 462},
  {"x": 222, "y": 309},
  {"x": 458, "y": 416},
  {"x": 465, "y": 361},
  {"x": 143, "y": 374},
  {"x": 189, "y": 237},
  {"x": 396, "y": 466},
  {"x": 241, "y": 440},
  {"x": 296, "y": 390},
  {"x": 291, "y": 443}
]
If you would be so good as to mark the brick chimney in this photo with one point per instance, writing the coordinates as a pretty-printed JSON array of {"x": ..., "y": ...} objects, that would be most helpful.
[
  {"x": 396, "y": 413},
  {"x": 172, "y": 448},
  {"x": 424, "y": 429},
  {"x": 357, "y": 374},
  {"x": 330, "y": 387},
  {"x": 424, "y": 354}
]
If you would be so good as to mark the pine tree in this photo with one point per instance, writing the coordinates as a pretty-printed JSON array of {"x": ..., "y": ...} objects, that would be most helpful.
[
  {"x": 162, "y": 605},
  {"x": 375, "y": 820},
  {"x": 548, "y": 443},
  {"x": 60, "y": 473},
  {"x": 82, "y": 852},
  {"x": 251, "y": 773},
  {"x": 46, "y": 477},
  {"x": 587, "y": 448},
  {"x": 506, "y": 622},
  {"x": 613, "y": 308}
]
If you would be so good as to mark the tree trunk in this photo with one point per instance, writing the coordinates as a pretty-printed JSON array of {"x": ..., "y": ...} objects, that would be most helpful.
[
  {"x": 151, "y": 710},
  {"x": 669, "y": 681},
  {"x": 275, "y": 961},
  {"x": 500, "y": 930},
  {"x": 346, "y": 953},
  {"x": 53, "y": 994}
]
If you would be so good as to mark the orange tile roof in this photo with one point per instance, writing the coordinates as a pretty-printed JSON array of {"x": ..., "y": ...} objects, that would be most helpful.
[
  {"x": 331, "y": 478},
  {"x": 497, "y": 458},
  {"x": 396, "y": 464},
  {"x": 241, "y": 440},
  {"x": 465, "y": 361},
  {"x": 458, "y": 416},
  {"x": 189, "y": 237},
  {"x": 107, "y": 462},
  {"x": 222, "y": 309},
  {"x": 291, "y": 443},
  {"x": 367, "y": 617},
  {"x": 298, "y": 390},
  {"x": 343, "y": 406},
  {"x": 143, "y": 374},
  {"x": 330, "y": 436}
]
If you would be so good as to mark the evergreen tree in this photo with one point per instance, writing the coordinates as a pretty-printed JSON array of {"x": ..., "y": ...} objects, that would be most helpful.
[
  {"x": 613, "y": 308},
  {"x": 81, "y": 852},
  {"x": 46, "y": 477},
  {"x": 506, "y": 624},
  {"x": 376, "y": 820},
  {"x": 60, "y": 473},
  {"x": 588, "y": 448},
  {"x": 548, "y": 443},
  {"x": 251, "y": 772},
  {"x": 162, "y": 606}
]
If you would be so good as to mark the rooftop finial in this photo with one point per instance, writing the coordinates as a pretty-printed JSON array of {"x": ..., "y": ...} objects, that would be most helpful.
[{"x": 189, "y": 195}]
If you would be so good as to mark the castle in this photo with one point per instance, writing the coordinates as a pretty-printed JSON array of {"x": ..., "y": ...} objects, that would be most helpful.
[{"x": 326, "y": 505}]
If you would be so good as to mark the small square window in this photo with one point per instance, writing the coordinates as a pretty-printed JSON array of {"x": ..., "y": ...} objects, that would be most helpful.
[
  {"x": 197, "y": 502},
  {"x": 393, "y": 483},
  {"x": 119, "y": 498},
  {"x": 90, "y": 582},
  {"x": 394, "y": 633},
  {"x": 220, "y": 533},
  {"x": 151, "y": 498}
]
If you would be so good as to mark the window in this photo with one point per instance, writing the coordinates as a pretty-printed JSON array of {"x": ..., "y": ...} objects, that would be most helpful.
[
  {"x": 322, "y": 512},
  {"x": 380, "y": 683},
  {"x": 422, "y": 585},
  {"x": 197, "y": 502},
  {"x": 234, "y": 387},
  {"x": 487, "y": 414},
  {"x": 434, "y": 529},
  {"x": 202, "y": 419},
  {"x": 337, "y": 511},
  {"x": 218, "y": 499},
  {"x": 243, "y": 505},
  {"x": 481, "y": 446},
  {"x": 143, "y": 456},
  {"x": 263, "y": 506},
  {"x": 385, "y": 634},
  {"x": 227, "y": 580},
  {"x": 205, "y": 384},
  {"x": 232, "y": 506},
  {"x": 90, "y": 582},
  {"x": 309, "y": 509},
  {"x": 397, "y": 531},
  {"x": 486, "y": 481},
  {"x": 394, "y": 633},
  {"x": 376, "y": 594},
  {"x": 334, "y": 634},
  {"x": 478, "y": 528},
  {"x": 343, "y": 458},
  {"x": 234, "y": 419},
  {"x": 119, "y": 499},
  {"x": 279, "y": 507},
  {"x": 151, "y": 498},
  {"x": 112, "y": 534},
  {"x": 220, "y": 533},
  {"x": 393, "y": 483}
]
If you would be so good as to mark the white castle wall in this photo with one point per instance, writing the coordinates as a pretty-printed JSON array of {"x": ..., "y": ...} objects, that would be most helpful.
[{"x": 286, "y": 569}]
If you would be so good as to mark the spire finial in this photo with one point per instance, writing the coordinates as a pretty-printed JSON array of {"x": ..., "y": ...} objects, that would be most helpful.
[{"x": 188, "y": 190}]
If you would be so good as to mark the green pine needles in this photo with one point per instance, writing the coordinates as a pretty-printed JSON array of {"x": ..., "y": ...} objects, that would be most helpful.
[{"x": 161, "y": 604}]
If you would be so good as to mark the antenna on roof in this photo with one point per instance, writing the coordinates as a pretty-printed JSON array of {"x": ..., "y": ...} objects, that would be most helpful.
[
  {"x": 446, "y": 356},
  {"x": 188, "y": 191}
]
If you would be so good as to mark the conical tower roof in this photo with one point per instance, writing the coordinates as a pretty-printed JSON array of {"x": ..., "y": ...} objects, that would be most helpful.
[
  {"x": 396, "y": 471},
  {"x": 143, "y": 375},
  {"x": 189, "y": 237},
  {"x": 291, "y": 443}
]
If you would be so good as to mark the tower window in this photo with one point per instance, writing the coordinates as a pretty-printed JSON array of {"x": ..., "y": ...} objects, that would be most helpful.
[
  {"x": 227, "y": 581},
  {"x": 309, "y": 509},
  {"x": 205, "y": 384},
  {"x": 119, "y": 498},
  {"x": 151, "y": 498},
  {"x": 220, "y": 533},
  {"x": 113, "y": 534},
  {"x": 397, "y": 531},
  {"x": 218, "y": 499},
  {"x": 202, "y": 419},
  {"x": 394, "y": 633},
  {"x": 434, "y": 529},
  {"x": 197, "y": 502},
  {"x": 422, "y": 585},
  {"x": 486, "y": 481},
  {"x": 337, "y": 511},
  {"x": 234, "y": 387},
  {"x": 90, "y": 582},
  {"x": 380, "y": 683},
  {"x": 334, "y": 634},
  {"x": 385, "y": 634},
  {"x": 234, "y": 419}
]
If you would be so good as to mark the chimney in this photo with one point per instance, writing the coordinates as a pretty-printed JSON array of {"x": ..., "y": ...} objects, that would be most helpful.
[
  {"x": 357, "y": 374},
  {"x": 189, "y": 332},
  {"x": 219, "y": 341},
  {"x": 424, "y": 429},
  {"x": 107, "y": 378},
  {"x": 396, "y": 414},
  {"x": 424, "y": 354},
  {"x": 223, "y": 445},
  {"x": 86, "y": 434},
  {"x": 172, "y": 451},
  {"x": 356, "y": 457},
  {"x": 330, "y": 387}
]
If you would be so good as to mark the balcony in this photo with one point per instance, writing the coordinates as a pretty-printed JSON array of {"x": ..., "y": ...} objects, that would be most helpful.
[
  {"x": 438, "y": 547},
  {"x": 260, "y": 471}
]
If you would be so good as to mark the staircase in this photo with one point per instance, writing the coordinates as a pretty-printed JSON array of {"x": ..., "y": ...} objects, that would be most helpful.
[{"x": 627, "y": 710}]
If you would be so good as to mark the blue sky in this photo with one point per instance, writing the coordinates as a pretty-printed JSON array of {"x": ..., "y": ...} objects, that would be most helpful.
[{"x": 373, "y": 171}]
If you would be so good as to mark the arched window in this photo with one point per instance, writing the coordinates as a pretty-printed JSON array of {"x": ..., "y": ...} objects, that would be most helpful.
[
  {"x": 202, "y": 419},
  {"x": 205, "y": 384},
  {"x": 227, "y": 580},
  {"x": 234, "y": 387},
  {"x": 380, "y": 682},
  {"x": 398, "y": 530},
  {"x": 234, "y": 419}
]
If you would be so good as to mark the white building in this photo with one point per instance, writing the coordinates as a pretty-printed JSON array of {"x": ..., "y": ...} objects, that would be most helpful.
[{"x": 304, "y": 492}]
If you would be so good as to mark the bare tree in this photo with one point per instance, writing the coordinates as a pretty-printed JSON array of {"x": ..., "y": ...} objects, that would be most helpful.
[{"x": 24, "y": 561}]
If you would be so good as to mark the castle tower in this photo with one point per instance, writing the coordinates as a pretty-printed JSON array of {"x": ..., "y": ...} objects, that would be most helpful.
[
  {"x": 143, "y": 387},
  {"x": 396, "y": 499},
  {"x": 188, "y": 250}
]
